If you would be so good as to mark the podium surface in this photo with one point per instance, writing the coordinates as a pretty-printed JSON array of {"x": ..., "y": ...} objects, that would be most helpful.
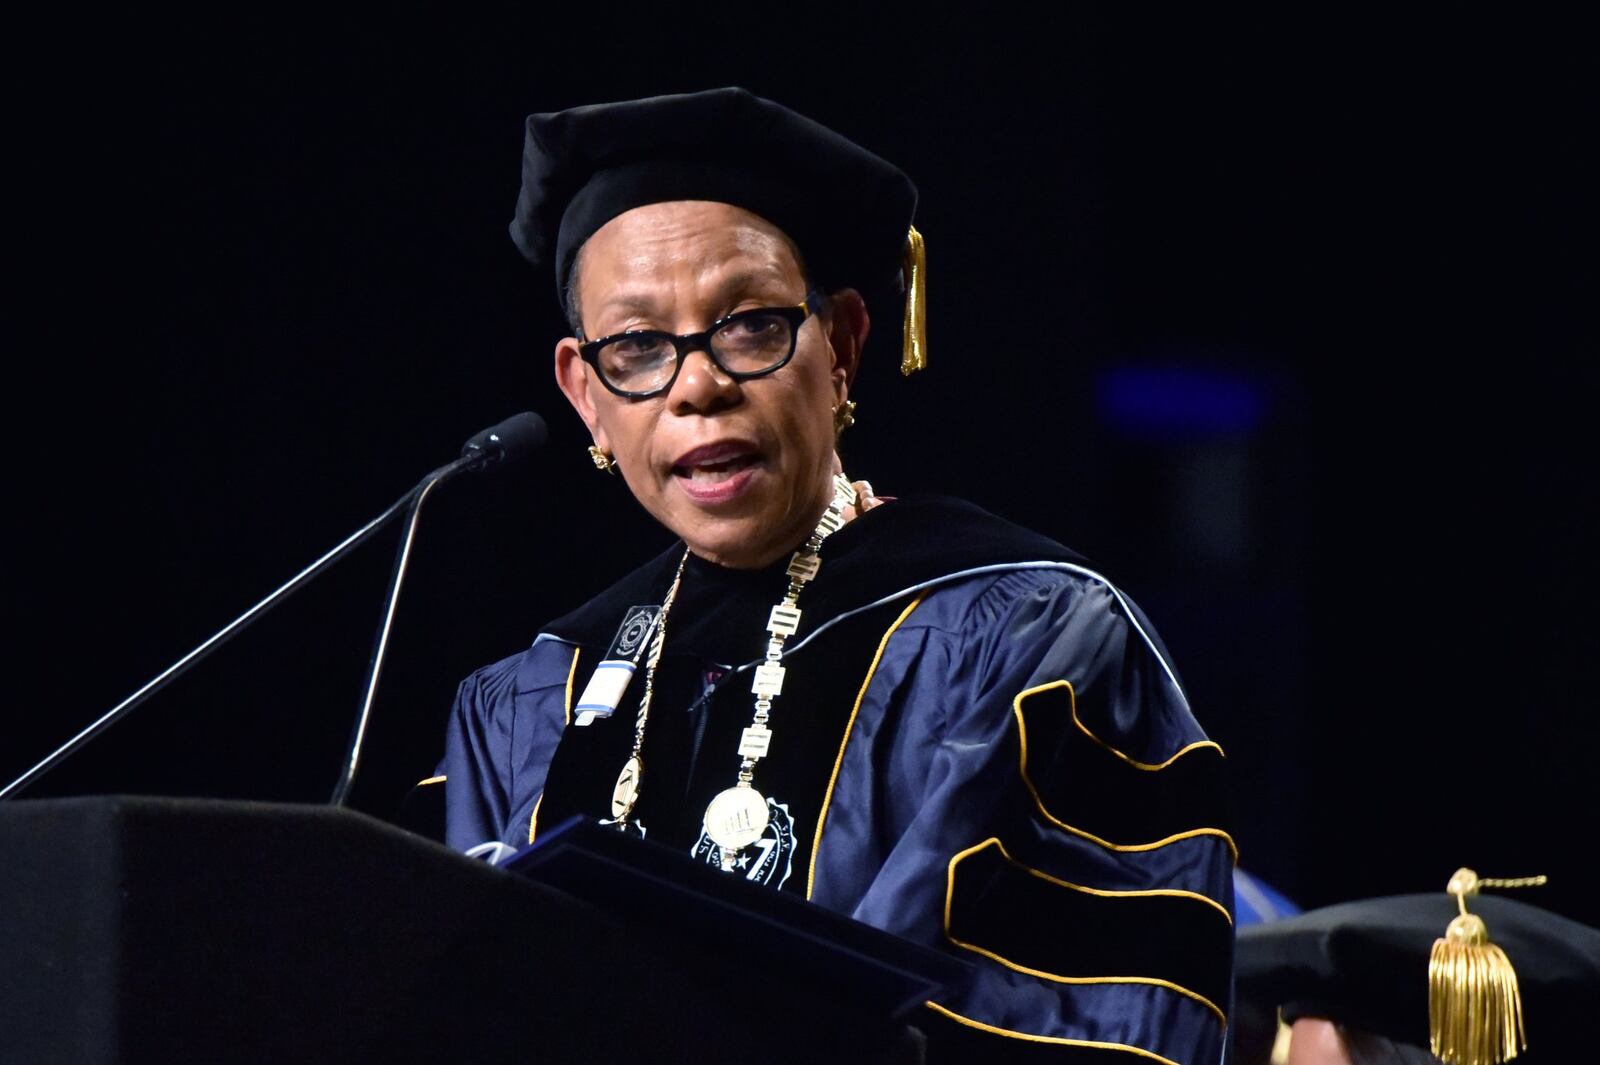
[{"x": 138, "y": 929}]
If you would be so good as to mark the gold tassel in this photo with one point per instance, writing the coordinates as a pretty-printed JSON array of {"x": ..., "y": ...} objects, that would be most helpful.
[
  {"x": 1474, "y": 1005},
  {"x": 1281, "y": 1042},
  {"x": 914, "y": 271}
]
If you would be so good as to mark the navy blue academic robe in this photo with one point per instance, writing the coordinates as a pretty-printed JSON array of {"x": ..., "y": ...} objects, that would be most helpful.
[{"x": 980, "y": 746}]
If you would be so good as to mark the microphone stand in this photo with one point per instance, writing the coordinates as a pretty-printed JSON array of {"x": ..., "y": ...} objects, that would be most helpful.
[
  {"x": 518, "y": 434},
  {"x": 380, "y": 647},
  {"x": 509, "y": 440},
  {"x": 412, "y": 500}
]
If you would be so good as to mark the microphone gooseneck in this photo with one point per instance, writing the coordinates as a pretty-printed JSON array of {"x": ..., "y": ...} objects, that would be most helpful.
[
  {"x": 508, "y": 442},
  {"x": 497, "y": 446}
]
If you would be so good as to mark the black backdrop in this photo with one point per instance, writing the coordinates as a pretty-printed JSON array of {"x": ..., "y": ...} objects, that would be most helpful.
[{"x": 1283, "y": 323}]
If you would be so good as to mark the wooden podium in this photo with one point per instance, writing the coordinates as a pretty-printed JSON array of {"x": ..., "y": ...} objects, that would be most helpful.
[{"x": 163, "y": 930}]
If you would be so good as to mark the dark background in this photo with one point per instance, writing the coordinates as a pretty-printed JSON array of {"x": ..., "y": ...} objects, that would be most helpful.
[{"x": 1286, "y": 324}]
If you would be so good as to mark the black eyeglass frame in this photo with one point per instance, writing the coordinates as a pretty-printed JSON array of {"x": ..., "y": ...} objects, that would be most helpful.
[{"x": 796, "y": 316}]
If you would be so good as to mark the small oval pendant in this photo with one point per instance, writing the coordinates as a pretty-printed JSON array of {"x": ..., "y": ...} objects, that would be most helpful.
[
  {"x": 626, "y": 793},
  {"x": 736, "y": 817}
]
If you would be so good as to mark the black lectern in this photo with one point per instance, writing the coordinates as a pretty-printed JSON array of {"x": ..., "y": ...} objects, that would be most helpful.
[{"x": 136, "y": 930}]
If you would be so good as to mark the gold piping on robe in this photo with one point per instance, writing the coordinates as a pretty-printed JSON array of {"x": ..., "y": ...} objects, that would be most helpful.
[
  {"x": 572, "y": 672},
  {"x": 849, "y": 727},
  {"x": 533, "y": 820},
  {"x": 1057, "y": 1039}
]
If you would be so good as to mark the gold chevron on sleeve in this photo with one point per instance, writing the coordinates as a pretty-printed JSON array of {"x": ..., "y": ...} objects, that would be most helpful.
[
  {"x": 1154, "y": 981},
  {"x": 1072, "y": 696},
  {"x": 1103, "y": 892},
  {"x": 1022, "y": 744}
]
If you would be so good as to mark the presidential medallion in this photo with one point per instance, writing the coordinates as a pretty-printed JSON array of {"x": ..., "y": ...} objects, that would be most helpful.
[
  {"x": 736, "y": 817},
  {"x": 768, "y": 860}
]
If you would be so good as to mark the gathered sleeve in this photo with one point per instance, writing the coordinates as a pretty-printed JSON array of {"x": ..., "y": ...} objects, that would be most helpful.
[
  {"x": 503, "y": 730},
  {"x": 1025, "y": 787}
]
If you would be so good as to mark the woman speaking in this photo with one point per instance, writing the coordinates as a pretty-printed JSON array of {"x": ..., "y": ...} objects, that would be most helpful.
[{"x": 906, "y": 710}]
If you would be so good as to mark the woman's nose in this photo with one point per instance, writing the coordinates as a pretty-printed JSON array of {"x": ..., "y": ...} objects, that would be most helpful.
[{"x": 701, "y": 386}]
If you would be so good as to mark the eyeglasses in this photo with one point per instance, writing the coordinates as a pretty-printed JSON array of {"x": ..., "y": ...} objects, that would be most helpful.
[{"x": 754, "y": 343}]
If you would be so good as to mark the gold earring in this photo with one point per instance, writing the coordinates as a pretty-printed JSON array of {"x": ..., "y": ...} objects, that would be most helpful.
[
  {"x": 844, "y": 416},
  {"x": 602, "y": 459}
]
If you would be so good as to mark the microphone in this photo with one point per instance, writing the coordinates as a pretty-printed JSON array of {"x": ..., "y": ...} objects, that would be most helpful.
[
  {"x": 504, "y": 444},
  {"x": 507, "y": 443},
  {"x": 500, "y": 445}
]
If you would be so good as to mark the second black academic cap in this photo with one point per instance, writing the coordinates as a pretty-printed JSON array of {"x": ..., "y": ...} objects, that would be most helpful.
[
  {"x": 1365, "y": 965},
  {"x": 847, "y": 210}
]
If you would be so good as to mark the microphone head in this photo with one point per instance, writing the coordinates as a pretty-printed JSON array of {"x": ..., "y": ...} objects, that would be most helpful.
[{"x": 510, "y": 441}]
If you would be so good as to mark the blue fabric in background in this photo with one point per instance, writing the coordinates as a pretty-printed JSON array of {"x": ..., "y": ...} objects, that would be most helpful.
[{"x": 1256, "y": 901}]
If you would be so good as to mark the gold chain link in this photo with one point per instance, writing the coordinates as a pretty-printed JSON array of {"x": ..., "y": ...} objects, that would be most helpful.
[{"x": 1515, "y": 882}]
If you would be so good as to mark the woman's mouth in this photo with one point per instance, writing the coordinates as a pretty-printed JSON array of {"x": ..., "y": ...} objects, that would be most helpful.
[
  {"x": 716, "y": 473},
  {"x": 713, "y": 472}
]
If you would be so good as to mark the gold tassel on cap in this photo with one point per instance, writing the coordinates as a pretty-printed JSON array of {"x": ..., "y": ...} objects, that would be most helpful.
[
  {"x": 1474, "y": 1006},
  {"x": 914, "y": 270},
  {"x": 1281, "y": 1041}
]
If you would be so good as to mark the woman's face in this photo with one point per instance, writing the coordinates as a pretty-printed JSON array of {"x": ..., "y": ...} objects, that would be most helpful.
[{"x": 740, "y": 470}]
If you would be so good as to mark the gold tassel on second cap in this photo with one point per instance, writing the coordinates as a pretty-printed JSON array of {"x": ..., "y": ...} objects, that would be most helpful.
[
  {"x": 1474, "y": 1005},
  {"x": 914, "y": 271}
]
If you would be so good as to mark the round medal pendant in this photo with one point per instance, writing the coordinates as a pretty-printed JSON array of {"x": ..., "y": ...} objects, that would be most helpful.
[
  {"x": 626, "y": 793},
  {"x": 736, "y": 817}
]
